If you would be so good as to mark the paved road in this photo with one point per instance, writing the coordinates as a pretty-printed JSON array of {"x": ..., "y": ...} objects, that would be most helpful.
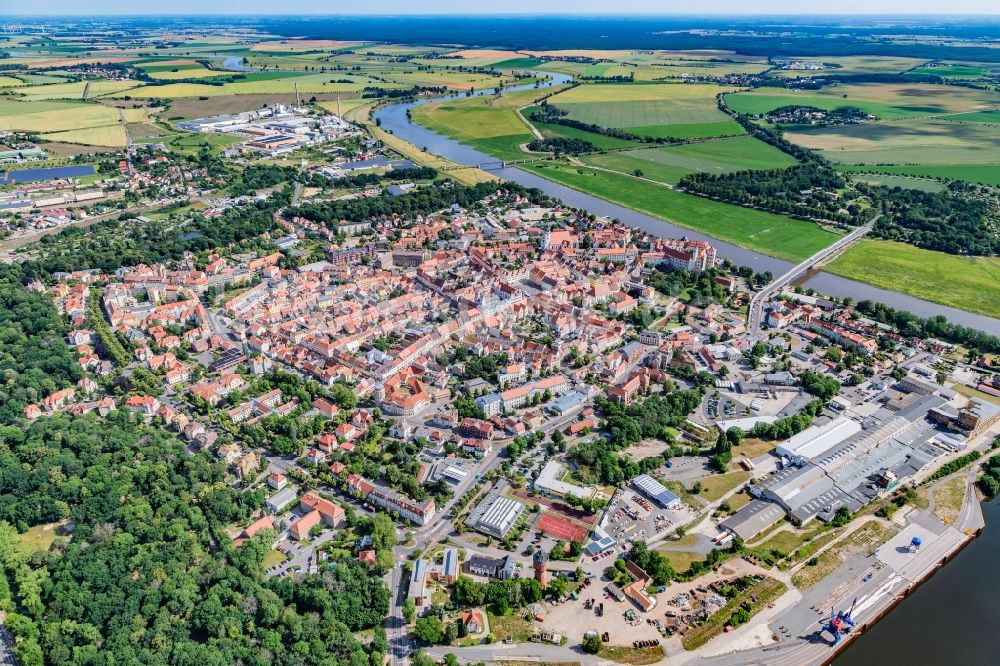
[
  {"x": 6, "y": 646},
  {"x": 527, "y": 652},
  {"x": 756, "y": 310}
]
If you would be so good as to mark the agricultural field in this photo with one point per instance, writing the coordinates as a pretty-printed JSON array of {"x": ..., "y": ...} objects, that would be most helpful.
[
  {"x": 906, "y": 182},
  {"x": 967, "y": 283},
  {"x": 886, "y": 101},
  {"x": 663, "y": 110},
  {"x": 269, "y": 83},
  {"x": 670, "y": 163},
  {"x": 111, "y": 136},
  {"x": 53, "y": 116},
  {"x": 470, "y": 58},
  {"x": 955, "y": 70},
  {"x": 986, "y": 174},
  {"x": 488, "y": 123},
  {"x": 178, "y": 69},
  {"x": 850, "y": 65},
  {"x": 923, "y": 141},
  {"x": 301, "y": 45},
  {"x": 774, "y": 235},
  {"x": 601, "y": 141},
  {"x": 75, "y": 90}
]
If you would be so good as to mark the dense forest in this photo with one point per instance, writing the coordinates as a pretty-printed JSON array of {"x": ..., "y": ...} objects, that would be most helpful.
[
  {"x": 561, "y": 146},
  {"x": 808, "y": 191},
  {"x": 34, "y": 357},
  {"x": 959, "y": 220},
  {"x": 149, "y": 575}
]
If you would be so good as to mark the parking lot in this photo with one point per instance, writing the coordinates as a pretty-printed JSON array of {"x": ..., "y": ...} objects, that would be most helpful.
[{"x": 632, "y": 517}]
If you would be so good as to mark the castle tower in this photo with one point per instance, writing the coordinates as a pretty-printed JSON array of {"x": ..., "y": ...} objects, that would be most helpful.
[{"x": 541, "y": 565}]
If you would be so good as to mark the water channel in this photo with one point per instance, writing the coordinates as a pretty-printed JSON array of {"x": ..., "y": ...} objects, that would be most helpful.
[{"x": 394, "y": 118}]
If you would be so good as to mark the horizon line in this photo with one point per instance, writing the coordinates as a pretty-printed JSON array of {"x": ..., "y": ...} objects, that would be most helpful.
[{"x": 432, "y": 14}]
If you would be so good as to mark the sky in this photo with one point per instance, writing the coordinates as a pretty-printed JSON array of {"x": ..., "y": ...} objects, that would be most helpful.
[{"x": 424, "y": 7}]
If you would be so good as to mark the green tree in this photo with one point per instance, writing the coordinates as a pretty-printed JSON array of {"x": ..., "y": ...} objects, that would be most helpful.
[
  {"x": 428, "y": 629},
  {"x": 592, "y": 643}
]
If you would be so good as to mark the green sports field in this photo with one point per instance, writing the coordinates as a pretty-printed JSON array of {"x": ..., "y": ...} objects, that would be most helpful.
[
  {"x": 774, "y": 235},
  {"x": 968, "y": 283}
]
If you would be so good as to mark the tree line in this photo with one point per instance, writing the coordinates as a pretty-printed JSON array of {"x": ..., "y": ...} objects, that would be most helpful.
[
  {"x": 910, "y": 325},
  {"x": 421, "y": 201}
]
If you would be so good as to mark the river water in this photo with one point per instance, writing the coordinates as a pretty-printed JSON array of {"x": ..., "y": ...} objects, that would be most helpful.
[
  {"x": 952, "y": 619},
  {"x": 394, "y": 118}
]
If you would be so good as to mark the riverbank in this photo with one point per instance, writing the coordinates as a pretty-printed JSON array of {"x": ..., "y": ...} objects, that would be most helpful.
[{"x": 394, "y": 118}]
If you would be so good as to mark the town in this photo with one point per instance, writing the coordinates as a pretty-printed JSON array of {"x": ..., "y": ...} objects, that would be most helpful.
[{"x": 434, "y": 416}]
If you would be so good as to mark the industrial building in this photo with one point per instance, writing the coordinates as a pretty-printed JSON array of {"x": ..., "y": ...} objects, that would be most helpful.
[
  {"x": 500, "y": 516},
  {"x": 846, "y": 463},
  {"x": 656, "y": 491},
  {"x": 753, "y": 519},
  {"x": 816, "y": 440}
]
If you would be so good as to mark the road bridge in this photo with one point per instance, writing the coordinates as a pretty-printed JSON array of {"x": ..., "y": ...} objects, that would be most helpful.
[{"x": 756, "y": 310}]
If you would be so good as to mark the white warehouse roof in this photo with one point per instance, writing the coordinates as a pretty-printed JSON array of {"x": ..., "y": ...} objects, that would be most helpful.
[{"x": 817, "y": 440}]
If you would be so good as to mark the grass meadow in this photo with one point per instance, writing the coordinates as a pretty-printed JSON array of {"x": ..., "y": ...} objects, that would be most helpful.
[
  {"x": 774, "y": 235},
  {"x": 967, "y": 283}
]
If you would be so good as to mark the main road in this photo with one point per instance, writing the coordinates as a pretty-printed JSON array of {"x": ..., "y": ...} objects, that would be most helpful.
[{"x": 756, "y": 310}]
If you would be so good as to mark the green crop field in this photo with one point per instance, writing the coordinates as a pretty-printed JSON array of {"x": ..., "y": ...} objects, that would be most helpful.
[
  {"x": 851, "y": 65},
  {"x": 263, "y": 83},
  {"x": 884, "y": 100},
  {"x": 915, "y": 141},
  {"x": 908, "y": 182},
  {"x": 992, "y": 117},
  {"x": 75, "y": 90},
  {"x": 668, "y": 164},
  {"x": 770, "y": 234},
  {"x": 968, "y": 283},
  {"x": 953, "y": 71},
  {"x": 490, "y": 124},
  {"x": 987, "y": 174},
  {"x": 662, "y": 110},
  {"x": 599, "y": 140},
  {"x": 180, "y": 70}
]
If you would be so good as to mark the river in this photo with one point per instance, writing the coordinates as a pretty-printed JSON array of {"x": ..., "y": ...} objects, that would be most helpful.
[
  {"x": 953, "y": 618},
  {"x": 393, "y": 117}
]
